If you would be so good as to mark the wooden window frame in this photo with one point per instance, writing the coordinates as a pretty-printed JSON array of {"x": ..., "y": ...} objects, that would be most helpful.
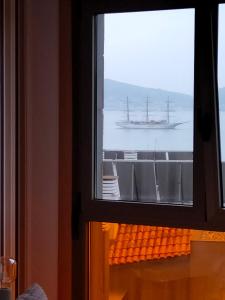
[
  {"x": 8, "y": 129},
  {"x": 1, "y": 129},
  {"x": 8, "y": 167},
  {"x": 207, "y": 212}
]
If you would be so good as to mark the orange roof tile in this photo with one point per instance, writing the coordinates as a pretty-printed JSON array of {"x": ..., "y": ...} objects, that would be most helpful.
[{"x": 135, "y": 243}]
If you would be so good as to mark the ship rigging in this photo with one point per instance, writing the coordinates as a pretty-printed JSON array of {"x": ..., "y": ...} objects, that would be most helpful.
[{"x": 148, "y": 123}]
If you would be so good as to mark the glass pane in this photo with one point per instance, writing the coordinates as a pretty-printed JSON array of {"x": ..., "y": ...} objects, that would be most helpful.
[
  {"x": 130, "y": 262},
  {"x": 221, "y": 83},
  {"x": 145, "y": 85}
]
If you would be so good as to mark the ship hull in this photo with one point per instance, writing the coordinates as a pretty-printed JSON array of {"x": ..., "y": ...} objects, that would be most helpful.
[{"x": 127, "y": 125}]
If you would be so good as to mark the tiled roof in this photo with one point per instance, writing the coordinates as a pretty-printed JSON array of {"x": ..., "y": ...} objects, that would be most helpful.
[{"x": 135, "y": 243}]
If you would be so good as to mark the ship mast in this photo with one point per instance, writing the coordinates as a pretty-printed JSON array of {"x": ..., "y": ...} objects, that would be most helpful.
[
  {"x": 147, "y": 116},
  {"x": 168, "y": 110},
  {"x": 128, "y": 113}
]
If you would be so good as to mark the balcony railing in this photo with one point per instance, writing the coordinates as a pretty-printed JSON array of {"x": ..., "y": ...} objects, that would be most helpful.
[{"x": 150, "y": 176}]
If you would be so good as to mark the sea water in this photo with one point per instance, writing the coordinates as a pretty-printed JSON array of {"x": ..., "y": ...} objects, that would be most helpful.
[{"x": 178, "y": 139}]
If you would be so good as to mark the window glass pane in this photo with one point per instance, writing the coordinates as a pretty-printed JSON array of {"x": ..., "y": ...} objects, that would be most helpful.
[
  {"x": 221, "y": 83},
  {"x": 149, "y": 262},
  {"x": 145, "y": 86}
]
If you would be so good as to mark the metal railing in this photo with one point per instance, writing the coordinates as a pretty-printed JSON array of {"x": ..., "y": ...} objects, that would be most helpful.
[{"x": 157, "y": 179}]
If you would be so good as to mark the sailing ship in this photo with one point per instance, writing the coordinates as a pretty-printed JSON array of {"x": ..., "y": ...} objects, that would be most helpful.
[{"x": 148, "y": 123}]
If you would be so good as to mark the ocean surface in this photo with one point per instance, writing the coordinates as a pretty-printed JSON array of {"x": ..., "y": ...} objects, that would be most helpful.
[{"x": 179, "y": 139}]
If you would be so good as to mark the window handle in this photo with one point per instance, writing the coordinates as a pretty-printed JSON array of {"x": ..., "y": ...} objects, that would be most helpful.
[{"x": 205, "y": 125}]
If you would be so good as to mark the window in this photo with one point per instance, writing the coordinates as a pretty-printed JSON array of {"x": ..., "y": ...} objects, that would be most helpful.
[
  {"x": 150, "y": 179},
  {"x": 152, "y": 262},
  {"x": 147, "y": 112},
  {"x": 172, "y": 185}
]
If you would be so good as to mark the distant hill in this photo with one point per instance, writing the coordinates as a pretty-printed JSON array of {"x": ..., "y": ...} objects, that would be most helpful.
[{"x": 115, "y": 94}]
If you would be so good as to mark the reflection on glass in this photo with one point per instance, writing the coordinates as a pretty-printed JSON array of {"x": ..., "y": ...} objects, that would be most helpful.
[
  {"x": 137, "y": 262},
  {"x": 145, "y": 139},
  {"x": 221, "y": 83}
]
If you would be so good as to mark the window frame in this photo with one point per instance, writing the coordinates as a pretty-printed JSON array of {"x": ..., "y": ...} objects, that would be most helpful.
[
  {"x": 207, "y": 212},
  {"x": 207, "y": 215},
  {"x": 1, "y": 131},
  {"x": 9, "y": 129}
]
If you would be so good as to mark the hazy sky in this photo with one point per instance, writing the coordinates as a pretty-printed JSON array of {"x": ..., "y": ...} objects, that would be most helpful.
[{"x": 155, "y": 49}]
